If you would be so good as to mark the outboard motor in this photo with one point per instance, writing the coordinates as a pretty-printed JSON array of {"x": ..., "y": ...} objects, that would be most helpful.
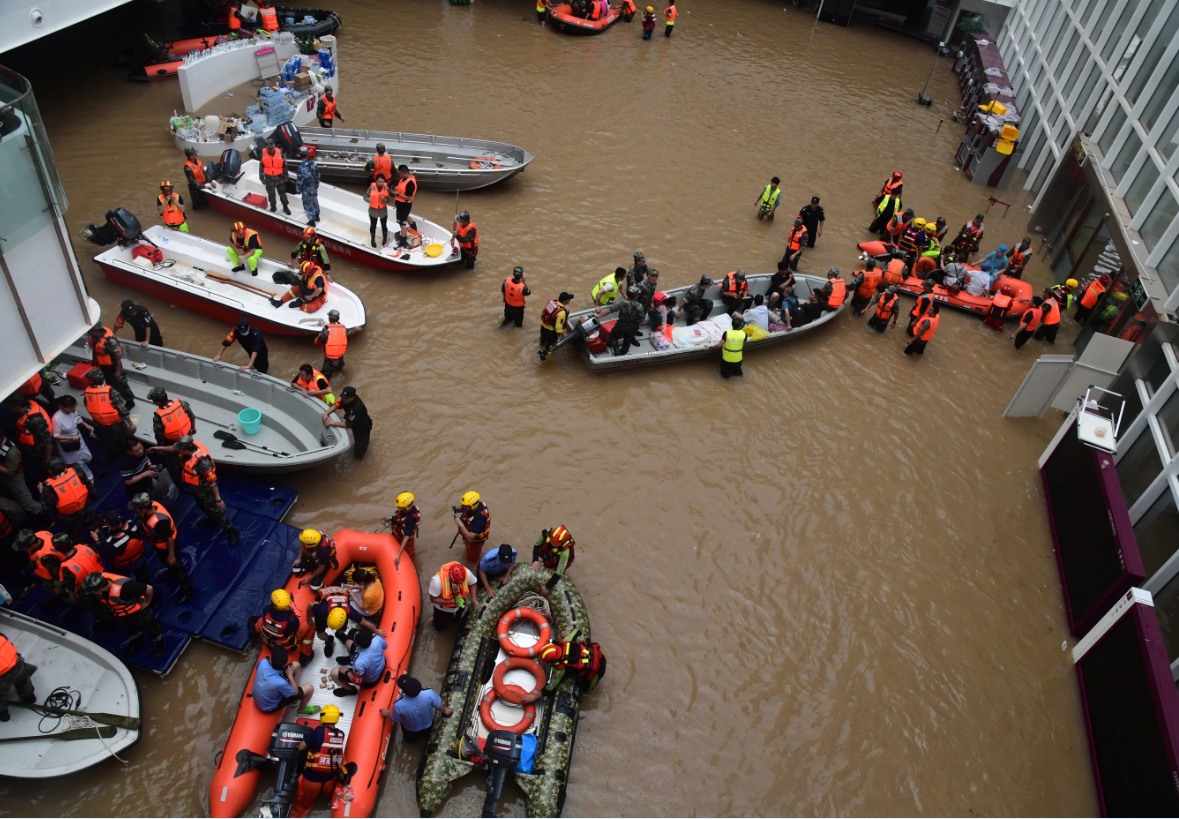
[
  {"x": 503, "y": 750},
  {"x": 256, "y": 148},
  {"x": 284, "y": 748},
  {"x": 121, "y": 226},
  {"x": 584, "y": 329},
  {"x": 230, "y": 170},
  {"x": 212, "y": 170},
  {"x": 287, "y": 137}
]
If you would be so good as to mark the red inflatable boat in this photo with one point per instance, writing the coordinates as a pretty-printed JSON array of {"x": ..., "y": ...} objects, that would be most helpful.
[
  {"x": 570, "y": 23},
  {"x": 169, "y": 57},
  {"x": 1020, "y": 291},
  {"x": 367, "y": 733}
]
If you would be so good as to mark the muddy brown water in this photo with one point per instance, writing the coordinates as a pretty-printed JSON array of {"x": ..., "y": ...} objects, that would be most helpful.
[{"x": 825, "y": 588}]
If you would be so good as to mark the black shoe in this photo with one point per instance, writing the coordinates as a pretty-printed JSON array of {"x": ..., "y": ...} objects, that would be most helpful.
[
  {"x": 204, "y": 523},
  {"x": 329, "y": 645},
  {"x": 373, "y": 239},
  {"x": 286, "y": 210},
  {"x": 4, "y": 715},
  {"x": 340, "y": 692},
  {"x": 23, "y": 593},
  {"x": 276, "y": 303},
  {"x": 233, "y": 537},
  {"x": 238, "y": 269},
  {"x": 29, "y": 698},
  {"x": 273, "y": 209},
  {"x": 293, "y": 303},
  {"x": 343, "y": 659},
  {"x": 185, "y": 596},
  {"x": 254, "y": 273},
  {"x": 157, "y": 653}
]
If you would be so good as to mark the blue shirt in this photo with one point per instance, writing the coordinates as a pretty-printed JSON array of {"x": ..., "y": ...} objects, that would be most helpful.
[
  {"x": 270, "y": 686},
  {"x": 998, "y": 262},
  {"x": 370, "y": 662},
  {"x": 417, "y": 713},
  {"x": 492, "y": 565}
]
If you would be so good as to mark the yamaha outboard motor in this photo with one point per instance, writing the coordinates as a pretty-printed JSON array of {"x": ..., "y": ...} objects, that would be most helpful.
[
  {"x": 230, "y": 167},
  {"x": 583, "y": 329},
  {"x": 284, "y": 748},
  {"x": 503, "y": 750},
  {"x": 256, "y": 148},
  {"x": 287, "y": 137},
  {"x": 121, "y": 226},
  {"x": 212, "y": 170}
]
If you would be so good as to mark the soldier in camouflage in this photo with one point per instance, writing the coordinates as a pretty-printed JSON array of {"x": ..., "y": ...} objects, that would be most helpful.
[
  {"x": 107, "y": 355},
  {"x": 557, "y": 714},
  {"x": 647, "y": 289},
  {"x": 637, "y": 271},
  {"x": 630, "y": 317},
  {"x": 200, "y": 473},
  {"x": 694, "y": 304},
  {"x": 307, "y": 184}
]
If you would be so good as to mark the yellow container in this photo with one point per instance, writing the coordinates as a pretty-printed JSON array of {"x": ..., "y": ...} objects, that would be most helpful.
[{"x": 997, "y": 108}]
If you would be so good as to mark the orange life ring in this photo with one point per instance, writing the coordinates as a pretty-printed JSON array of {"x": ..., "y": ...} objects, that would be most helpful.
[
  {"x": 482, "y": 163},
  {"x": 514, "y": 693},
  {"x": 505, "y": 623},
  {"x": 489, "y": 721}
]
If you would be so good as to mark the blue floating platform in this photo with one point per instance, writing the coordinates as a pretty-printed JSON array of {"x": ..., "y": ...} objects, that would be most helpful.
[{"x": 233, "y": 584}]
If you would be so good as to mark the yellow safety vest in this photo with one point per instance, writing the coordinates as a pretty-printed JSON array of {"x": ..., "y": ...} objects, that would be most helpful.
[
  {"x": 598, "y": 288},
  {"x": 769, "y": 201},
  {"x": 734, "y": 344},
  {"x": 884, "y": 204},
  {"x": 935, "y": 248},
  {"x": 540, "y": 6}
]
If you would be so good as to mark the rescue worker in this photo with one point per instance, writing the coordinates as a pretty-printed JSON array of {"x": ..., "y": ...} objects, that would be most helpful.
[
  {"x": 141, "y": 321},
  {"x": 170, "y": 206},
  {"x": 172, "y": 420},
  {"x": 693, "y": 302},
  {"x": 585, "y": 662},
  {"x": 194, "y": 172},
  {"x": 887, "y": 308},
  {"x": 307, "y": 185},
  {"x": 865, "y": 283},
  {"x": 122, "y": 543},
  {"x": 72, "y": 563},
  {"x": 896, "y": 271},
  {"x": 449, "y": 590},
  {"x": 933, "y": 249},
  {"x": 514, "y": 290},
  {"x": 647, "y": 289},
  {"x": 970, "y": 236},
  {"x": 245, "y": 248},
  {"x": 404, "y": 526},
  {"x": 268, "y": 16},
  {"x": 923, "y": 332},
  {"x": 109, "y": 414},
  {"x": 1018, "y": 258},
  {"x": 1091, "y": 296},
  {"x": 1065, "y": 294},
  {"x": 1000, "y": 304},
  {"x": 648, "y": 22},
  {"x": 541, "y": 10},
  {"x": 378, "y": 210},
  {"x": 795, "y": 244},
  {"x": 835, "y": 289},
  {"x": 16, "y": 678},
  {"x": 767, "y": 203},
  {"x": 1029, "y": 322},
  {"x": 380, "y": 164},
  {"x": 107, "y": 355},
  {"x": 896, "y": 226},
  {"x": 37, "y": 546},
  {"x": 468, "y": 239},
  {"x": 272, "y": 172},
  {"x": 38, "y": 388},
  {"x": 473, "y": 521},
  {"x": 34, "y": 430},
  {"x": 67, "y": 495},
  {"x": 12, "y": 472},
  {"x": 200, "y": 475},
  {"x": 630, "y": 318},
  {"x": 234, "y": 20},
  {"x": 315, "y": 558},
  {"x": 130, "y": 603},
  {"x": 636, "y": 272},
  {"x": 403, "y": 195},
  {"x": 924, "y": 300},
  {"x": 326, "y": 109},
  {"x": 888, "y": 203},
  {"x": 734, "y": 292},
  {"x": 912, "y": 238},
  {"x": 553, "y": 320},
  {"x": 309, "y": 294},
  {"x": 893, "y": 186},
  {"x": 628, "y": 10},
  {"x": 414, "y": 709},
  {"x": 159, "y": 529},
  {"x": 252, "y": 341},
  {"x": 554, "y": 550},
  {"x": 356, "y": 418},
  {"x": 1051, "y": 318},
  {"x": 311, "y": 249},
  {"x": 280, "y": 627},
  {"x": 940, "y": 229},
  {"x": 670, "y": 14},
  {"x": 609, "y": 288},
  {"x": 812, "y": 217},
  {"x": 312, "y": 383},
  {"x": 324, "y": 765},
  {"x": 732, "y": 348},
  {"x": 334, "y": 340},
  {"x": 330, "y": 614}
]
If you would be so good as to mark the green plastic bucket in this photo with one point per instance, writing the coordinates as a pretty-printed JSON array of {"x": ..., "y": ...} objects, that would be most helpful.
[{"x": 251, "y": 420}]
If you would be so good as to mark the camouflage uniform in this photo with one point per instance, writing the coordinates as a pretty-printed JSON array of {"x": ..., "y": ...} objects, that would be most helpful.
[
  {"x": 203, "y": 492},
  {"x": 647, "y": 288},
  {"x": 78, "y": 524},
  {"x": 307, "y": 184},
  {"x": 636, "y": 275},
  {"x": 696, "y": 307},
  {"x": 36, "y": 457},
  {"x": 114, "y": 373},
  {"x": 630, "y": 317},
  {"x": 544, "y": 790},
  {"x": 114, "y": 437},
  {"x": 171, "y": 459}
]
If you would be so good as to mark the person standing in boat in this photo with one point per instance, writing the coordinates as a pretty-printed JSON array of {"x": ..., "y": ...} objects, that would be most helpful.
[
  {"x": 272, "y": 172},
  {"x": 636, "y": 273},
  {"x": 403, "y": 524},
  {"x": 252, "y": 342},
  {"x": 200, "y": 474},
  {"x": 307, "y": 185},
  {"x": 172, "y": 420},
  {"x": 15, "y": 678},
  {"x": 356, "y": 418},
  {"x": 403, "y": 194},
  {"x": 514, "y": 290},
  {"x": 170, "y": 206},
  {"x": 107, "y": 356},
  {"x": 449, "y": 590},
  {"x": 378, "y": 210},
  {"x": 194, "y": 172},
  {"x": 380, "y": 164},
  {"x": 630, "y": 318},
  {"x": 141, "y": 321}
]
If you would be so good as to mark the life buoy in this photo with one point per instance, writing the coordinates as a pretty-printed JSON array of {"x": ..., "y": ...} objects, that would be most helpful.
[
  {"x": 489, "y": 721},
  {"x": 514, "y": 693},
  {"x": 483, "y": 163},
  {"x": 506, "y": 622}
]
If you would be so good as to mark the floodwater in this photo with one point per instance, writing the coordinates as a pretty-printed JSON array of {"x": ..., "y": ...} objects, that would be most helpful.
[{"x": 825, "y": 588}]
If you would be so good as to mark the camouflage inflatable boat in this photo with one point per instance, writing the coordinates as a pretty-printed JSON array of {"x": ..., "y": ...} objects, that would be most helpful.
[{"x": 469, "y": 690}]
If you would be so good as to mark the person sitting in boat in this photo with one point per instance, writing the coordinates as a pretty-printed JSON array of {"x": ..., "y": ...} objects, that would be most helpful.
[
  {"x": 380, "y": 164},
  {"x": 170, "y": 206},
  {"x": 609, "y": 288},
  {"x": 694, "y": 304},
  {"x": 274, "y": 690},
  {"x": 366, "y": 663},
  {"x": 315, "y": 558},
  {"x": 324, "y": 765},
  {"x": 280, "y": 627},
  {"x": 585, "y": 662},
  {"x": 812, "y": 309},
  {"x": 933, "y": 248},
  {"x": 245, "y": 248},
  {"x": 313, "y": 384},
  {"x": 553, "y": 550},
  {"x": 758, "y": 315},
  {"x": 497, "y": 564},
  {"x": 330, "y": 614},
  {"x": 787, "y": 315},
  {"x": 311, "y": 249},
  {"x": 998, "y": 260},
  {"x": 366, "y": 600},
  {"x": 414, "y": 709},
  {"x": 310, "y": 293},
  {"x": 403, "y": 524},
  {"x": 734, "y": 292},
  {"x": 912, "y": 238},
  {"x": 978, "y": 282},
  {"x": 661, "y": 305},
  {"x": 449, "y": 589},
  {"x": 953, "y": 274}
]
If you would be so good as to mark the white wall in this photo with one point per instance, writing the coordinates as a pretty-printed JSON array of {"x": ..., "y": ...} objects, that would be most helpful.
[
  {"x": 212, "y": 76},
  {"x": 22, "y": 22}
]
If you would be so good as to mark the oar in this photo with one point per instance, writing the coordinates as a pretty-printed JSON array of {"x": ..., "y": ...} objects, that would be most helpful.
[
  {"x": 73, "y": 733},
  {"x": 454, "y": 540},
  {"x": 230, "y": 439},
  {"x": 119, "y": 721}
]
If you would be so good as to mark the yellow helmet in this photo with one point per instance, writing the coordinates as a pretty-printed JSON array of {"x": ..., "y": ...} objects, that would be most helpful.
[
  {"x": 919, "y": 223},
  {"x": 1072, "y": 284},
  {"x": 330, "y": 715},
  {"x": 336, "y": 619},
  {"x": 310, "y": 537},
  {"x": 280, "y": 599},
  {"x": 470, "y": 498},
  {"x": 650, "y": 10},
  {"x": 930, "y": 227},
  {"x": 405, "y": 500}
]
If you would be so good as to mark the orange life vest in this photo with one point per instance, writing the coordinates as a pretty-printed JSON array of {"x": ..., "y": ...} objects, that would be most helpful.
[
  {"x": 867, "y": 287},
  {"x": 7, "y": 655},
  {"x": 330, "y": 756},
  {"x": 279, "y": 632},
  {"x": 896, "y": 226},
  {"x": 513, "y": 293},
  {"x": 25, "y": 437},
  {"x": 468, "y": 237},
  {"x": 628, "y": 6},
  {"x": 1030, "y": 319},
  {"x": 198, "y": 170},
  {"x": 670, "y": 13},
  {"x": 449, "y": 591},
  {"x": 244, "y": 242},
  {"x": 1092, "y": 293},
  {"x": 336, "y": 597},
  {"x": 46, "y": 548},
  {"x": 1018, "y": 257},
  {"x": 735, "y": 288},
  {"x": 158, "y": 513},
  {"x": 190, "y": 474},
  {"x": 309, "y": 252},
  {"x": 175, "y": 420},
  {"x": 922, "y": 305},
  {"x": 797, "y": 236},
  {"x": 895, "y": 272},
  {"x": 1052, "y": 316},
  {"x": 126, "y": 549},
  {"x": 595, "y": 10},
  {"x": 172, "y": 213},
  {"x": 85, "y": 561},
  {"x": 233, "y": 20},
  {"x": 838, "y": 292},
  {"x": 886, "y": 306},
  {"x": 400, "y": 191},
  {"x": 32, "y": 386},
  {"x": 337, "y": 341},
  {"x": 273, "y": 163},
  {"x": 378, "y": 198},
  {"x": 383, "y": 166},
  {"x": 101, "y": 357},
  {"x": 890, "y": 187},
  {"x": 312, "y": 383},
  {"x": 999, "y": 304},
  {"x": 329, "y": 108},
  {"x": 71, "y": 492},
  {"x": 929, "y": 331},
  {"x": 269, "y": 19},
  {"x": 120, "y": 604},
  {"x": 98, "y": 403},
  {"x": 969, "y": 236}
]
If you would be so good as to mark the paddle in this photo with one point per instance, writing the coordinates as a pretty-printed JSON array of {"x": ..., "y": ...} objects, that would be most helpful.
[
  {"x": 73, "y": 733},
  {"x": 454, "y": 540},
  {"x": 230, "y": 439},
  {"x": 117, "y": 720}
]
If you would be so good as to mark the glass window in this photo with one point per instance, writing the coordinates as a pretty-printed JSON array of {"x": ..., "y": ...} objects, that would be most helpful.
[
  {"x": 1082, "y": 66},
  {"x": 1161, "y": 216},
  {"x": 1161, "y": 96},
  {"x": 1125, "y": 12},
  {"x": 1112, "y": 128},
  {"x": 1126, "y": 155},
  {"x": 1157, "y": 375},
  {"x": 1166, "y": 606},
  {"x": 1150, "y": 63},
  {"x": 1106, "y": 9},
  {"x": 1045, "y": 169},
  {"x": 1061, "y": 39},
  {"x": 1169, "y": 139},
  {"x": 1050, "y": 117},
  {"x": 1094, "y": 5},
  {"x": 1033, "y": 151},
  {"x": 1044, "y": 31},
  {"x": 1157, "y": 532},
  {"x": 1169, "y": 421},
  {"x": 1168, "y": 268},
  {"x": 1139, "y": 467},
  {"x": 1103, "y": 99},
  {"x": 1148, "y": 174}
]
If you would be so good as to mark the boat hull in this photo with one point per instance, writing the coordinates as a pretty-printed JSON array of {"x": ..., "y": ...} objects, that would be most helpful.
[{"x": 566, "y": 22}]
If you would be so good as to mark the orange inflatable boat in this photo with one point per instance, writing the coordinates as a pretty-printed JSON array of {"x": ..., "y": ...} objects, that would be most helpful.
[
  {"x": 367, "y": 733},
  {"x": 1019, "y": 291},
  {"x": 568, "y": 22},
  {"x": 168, "y": 56}
]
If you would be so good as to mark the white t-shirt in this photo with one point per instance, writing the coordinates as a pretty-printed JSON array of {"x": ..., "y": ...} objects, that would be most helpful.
[
  {"x": 67, "y": 424},
  {"x": 758, "y": 316},
  {"x": 436, "y": 587},
  {"x": 979, "y": 283}
]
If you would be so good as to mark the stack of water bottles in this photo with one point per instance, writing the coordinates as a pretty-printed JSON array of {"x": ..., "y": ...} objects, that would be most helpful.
[
  {"x": 293, "y": 66},
  {"x": 326, "y": 63},
  {"x": 256, "y": 119},
  {"x": 276, "y": 105}
]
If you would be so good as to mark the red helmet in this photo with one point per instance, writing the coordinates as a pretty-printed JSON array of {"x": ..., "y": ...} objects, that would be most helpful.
[
  {"x": 1105, "y": 279},
  {"x": 551, "y": 653},
  {"x": 306, "y": 266},
  {"x": 896, "y": 174},
  {"x": 457, "y": 574},
  {"x": 1005, "y": 290},
  {"x": 308, "y": 232},
  {"x": 238, "y": 227},
  {"x": 560, "y": 537}
]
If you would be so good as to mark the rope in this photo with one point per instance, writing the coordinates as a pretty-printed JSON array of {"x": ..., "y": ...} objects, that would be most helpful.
[
  {"x": 534, "y": 601},
  {"x": 61, "y": 697}
]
